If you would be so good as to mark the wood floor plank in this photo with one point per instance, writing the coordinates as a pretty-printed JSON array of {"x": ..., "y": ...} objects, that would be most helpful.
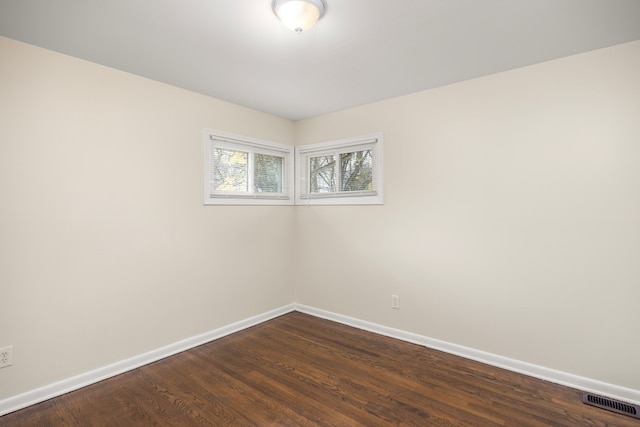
[{"x": 299, "y": 370}]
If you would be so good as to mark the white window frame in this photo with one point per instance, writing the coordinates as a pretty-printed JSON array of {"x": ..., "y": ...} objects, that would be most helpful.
[
  {"x": 306, "y": 152},
  {"x": 225, "y": 140}
]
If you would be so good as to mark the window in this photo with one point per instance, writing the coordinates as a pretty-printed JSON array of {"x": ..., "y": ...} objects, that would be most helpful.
[
  {"x": 241, "y": 170},
  {"x": 344, "y": 172}
]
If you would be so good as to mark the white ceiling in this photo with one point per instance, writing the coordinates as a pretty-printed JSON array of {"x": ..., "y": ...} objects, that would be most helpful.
[{"x": 361, "y": 50}]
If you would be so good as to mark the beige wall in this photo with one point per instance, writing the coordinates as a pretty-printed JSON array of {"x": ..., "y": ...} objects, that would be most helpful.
[
  {"x": 511, "y": 221},
  {"x": 510, "y": 225},
  {"x": 106, "y": 251}
]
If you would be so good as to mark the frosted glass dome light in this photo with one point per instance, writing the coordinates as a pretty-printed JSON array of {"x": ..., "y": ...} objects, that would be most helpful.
[{"x": 299, "y": 15}]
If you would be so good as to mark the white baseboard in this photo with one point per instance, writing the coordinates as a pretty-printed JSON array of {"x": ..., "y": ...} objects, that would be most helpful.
[
  {"x": 59, "y": 388},
  {"x": 41, "y": 394},
  {"x": 558, "y": 377}
]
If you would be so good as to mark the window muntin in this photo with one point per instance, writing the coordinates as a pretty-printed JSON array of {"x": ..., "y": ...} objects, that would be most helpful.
[
  {"x": 241, "y": 170},
  {"x": 340, "y": 172}
]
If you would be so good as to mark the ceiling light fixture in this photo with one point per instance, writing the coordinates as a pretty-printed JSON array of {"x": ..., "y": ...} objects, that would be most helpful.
[{"x": 299, "y": 15}]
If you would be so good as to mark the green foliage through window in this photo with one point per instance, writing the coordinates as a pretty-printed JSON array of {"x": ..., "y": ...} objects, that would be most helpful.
[
  {"x": 323, "y": 174},
  {"x": 268, "y": 173},
  {"x": 230, "y": 170},
  {"x": 356, "y": 171}
]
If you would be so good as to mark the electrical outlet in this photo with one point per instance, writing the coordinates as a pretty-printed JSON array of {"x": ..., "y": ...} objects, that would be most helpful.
[
  {"x": 395, "y": 301},
  {"x": 6, "y": 356}
]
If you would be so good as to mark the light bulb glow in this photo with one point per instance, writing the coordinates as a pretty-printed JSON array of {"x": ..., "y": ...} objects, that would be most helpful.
[{"x": 299, "y": 15}]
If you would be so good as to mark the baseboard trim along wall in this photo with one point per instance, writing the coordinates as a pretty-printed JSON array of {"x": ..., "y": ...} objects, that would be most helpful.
[
  {"x": 558, "y": 377},
  {"x": 59, "y": 388},
  {"x": 41, "y": 394}
]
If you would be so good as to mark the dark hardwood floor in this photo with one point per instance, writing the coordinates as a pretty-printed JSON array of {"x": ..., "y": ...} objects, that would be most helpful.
[{"x": 298, "y": 370}]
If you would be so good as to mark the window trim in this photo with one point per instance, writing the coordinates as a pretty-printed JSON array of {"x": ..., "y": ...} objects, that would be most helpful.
[
  {"x": 251, "y": 145},
  {"x": 369, "y": 197}
]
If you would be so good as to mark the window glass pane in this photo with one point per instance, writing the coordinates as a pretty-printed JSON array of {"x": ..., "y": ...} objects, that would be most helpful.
[
  {"x": 356, "y": 171},
  {"x": 230, "y": 170},
  {"x": 268, "y": 173},
  {"x": 323, "y": 174}
]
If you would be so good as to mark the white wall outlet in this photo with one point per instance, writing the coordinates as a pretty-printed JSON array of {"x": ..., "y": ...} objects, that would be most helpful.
[
  {"x": 395, "y": 301},
  {"x": 6, "y": 356}
]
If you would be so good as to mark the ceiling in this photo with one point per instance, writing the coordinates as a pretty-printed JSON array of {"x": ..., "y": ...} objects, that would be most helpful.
[{"x": 360, "y": 51}]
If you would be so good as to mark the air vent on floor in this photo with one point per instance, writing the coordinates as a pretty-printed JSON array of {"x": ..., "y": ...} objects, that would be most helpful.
[{"x": 611, "y": 405}]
